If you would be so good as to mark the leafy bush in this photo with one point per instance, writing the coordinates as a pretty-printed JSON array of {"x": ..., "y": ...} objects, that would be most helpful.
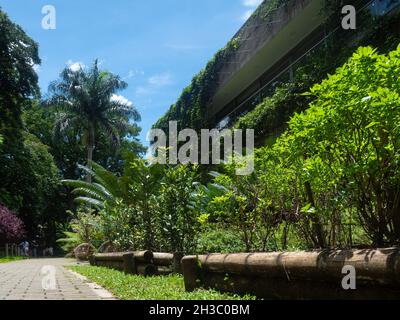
[
  {"x": 177, "y": 221},
  {"x": 69, "y": 241},
  {"x": 219, "y": 238},
  {"x": 119, "y": 226},
  {"x": 148, "y": 207},
  {"x": 346, "y": 145},
  {"x": 11, "y": 227},
  {"x": 86, "y": 228},
  {"x": 334, "y": 172}
]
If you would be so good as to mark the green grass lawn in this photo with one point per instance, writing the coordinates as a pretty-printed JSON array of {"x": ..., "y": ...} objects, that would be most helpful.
[
  {"x": 9, "y": 259},
  {"x": 133, "y": 287}
]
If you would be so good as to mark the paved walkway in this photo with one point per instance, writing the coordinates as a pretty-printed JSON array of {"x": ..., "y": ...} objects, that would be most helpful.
[{"x": 32, "y": 280}]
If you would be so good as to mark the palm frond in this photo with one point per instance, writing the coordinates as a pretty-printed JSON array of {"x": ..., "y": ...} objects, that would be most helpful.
[
  {"x": 83, "y": 98},
  {"x": 90, "y": 201}
]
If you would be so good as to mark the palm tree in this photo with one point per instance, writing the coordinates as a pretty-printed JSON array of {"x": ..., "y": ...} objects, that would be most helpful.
[{"x": 88, "y": 104}]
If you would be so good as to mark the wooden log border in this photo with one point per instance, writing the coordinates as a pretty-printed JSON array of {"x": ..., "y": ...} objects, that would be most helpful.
[
  {"x": 144, "y": 263},
  {"x": 124, "y": 261},
  {"x": 297, "y": 275}
]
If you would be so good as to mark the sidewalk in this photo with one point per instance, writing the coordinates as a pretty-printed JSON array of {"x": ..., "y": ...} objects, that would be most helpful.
[{"x": 22, "y": 280}]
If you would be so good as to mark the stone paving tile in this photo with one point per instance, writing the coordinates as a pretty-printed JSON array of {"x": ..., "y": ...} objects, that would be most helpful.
[{"x": 22, "y": 280}]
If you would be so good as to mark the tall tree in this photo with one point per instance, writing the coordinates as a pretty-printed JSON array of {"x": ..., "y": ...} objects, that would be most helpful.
[
  {"x": 28, "y": 175},
  {"x": 88, "y": 105},
  {"x": 18, "y": 79}
]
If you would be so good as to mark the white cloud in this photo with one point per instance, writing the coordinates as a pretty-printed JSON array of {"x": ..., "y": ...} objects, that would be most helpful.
[
  {"x": 121, "y": 99},
  {"x": 247, "y": 14},
  {"x": 75, "y": 66},
  {"x": 154, "y": 83},
  {"x": 251, "y": 3},
  {"x": 160, "y": 80},
  {"x": 133, "y": 73},
  {"x": 142, "y": 91}
]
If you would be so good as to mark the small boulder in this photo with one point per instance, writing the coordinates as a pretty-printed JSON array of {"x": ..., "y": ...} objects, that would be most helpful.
[
  {"x": 84, "y": 251},
  {"x": 108, "y": 247},
  {"x": 69, "y": 255}
]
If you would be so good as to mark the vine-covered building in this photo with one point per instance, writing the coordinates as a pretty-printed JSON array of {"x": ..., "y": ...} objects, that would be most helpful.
[{"x": 283, "y": 42}]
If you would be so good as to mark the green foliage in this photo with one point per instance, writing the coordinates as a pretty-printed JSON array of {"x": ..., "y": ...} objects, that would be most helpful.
[
  {"x": 27, "y": 170},
  {"x": 70, "y": 150},
  {"x": 29, "y": 178},
  {"x": 10, "y": 259},
  {"x": 126, "y": 203},
  {"x": 219, "y": 239},
  {"x": 67, "y": 152},
  {"x": 133, "y": 287},
  {"x": 346, "y": 143},
  {"x": 120, "y": 226},
  {"x": 148, "y": 207},
  {"x": 254, "y": 206},
  {"x": 18, "y": 80},
  {"x": 70, "y": 241},
  {"x": 143, "y": 193},
  {"x": 107, "y": 187},
  {"x": 270, "y": 116},
  {"x": 86, "y": 228},
  {"x": 176, "y": 218},
  {"x": 40, "y": 121},
  {"x": 332, "y": 173}
]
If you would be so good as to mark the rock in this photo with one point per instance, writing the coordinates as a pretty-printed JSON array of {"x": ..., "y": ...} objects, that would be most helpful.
[
  {"x": 108, "y": 247},
  {"x": 70, "y": 255},
  {"x": 84, "y": 251}
]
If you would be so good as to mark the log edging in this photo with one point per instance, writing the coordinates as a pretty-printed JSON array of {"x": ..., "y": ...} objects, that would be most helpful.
[
  {"x": 140, "y": 262},
  {"x": 270, "y": 275}
]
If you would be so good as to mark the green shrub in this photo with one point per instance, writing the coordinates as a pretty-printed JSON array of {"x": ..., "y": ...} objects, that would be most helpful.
[
  {"x": 119, "y": 226},
  {"x": 219, "y": 238},
  {"x": 85, "y": 228}
]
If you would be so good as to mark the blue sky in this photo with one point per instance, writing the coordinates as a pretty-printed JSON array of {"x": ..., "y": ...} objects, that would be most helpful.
[{"x": 157, "y": 46}]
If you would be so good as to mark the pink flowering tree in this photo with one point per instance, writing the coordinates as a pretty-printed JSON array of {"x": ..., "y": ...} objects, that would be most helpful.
[{"x": 11, "y": 227}]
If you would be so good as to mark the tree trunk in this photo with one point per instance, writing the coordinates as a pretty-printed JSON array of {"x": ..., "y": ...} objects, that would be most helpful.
[
  {"x": 395, "y": 213},
  {"x": 149, "y": 237},
  {"x": 284, "y": 236},
  {"x": 316, "y": 223},
  {"x": 90, "y": 149}
]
